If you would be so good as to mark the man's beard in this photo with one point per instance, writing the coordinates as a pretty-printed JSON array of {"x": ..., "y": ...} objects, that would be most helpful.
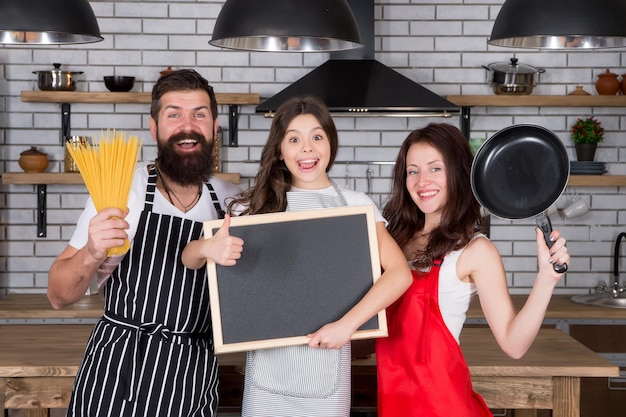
[{"x": 183, "y": 168}]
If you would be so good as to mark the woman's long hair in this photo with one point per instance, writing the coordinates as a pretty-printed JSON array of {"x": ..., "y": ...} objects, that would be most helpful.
[
  {"x": 273, "y": 180},
  {"x": 461, "y": 216}
]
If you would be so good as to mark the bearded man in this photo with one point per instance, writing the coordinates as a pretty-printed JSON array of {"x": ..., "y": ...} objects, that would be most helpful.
[{"x": 151, "y": 353}]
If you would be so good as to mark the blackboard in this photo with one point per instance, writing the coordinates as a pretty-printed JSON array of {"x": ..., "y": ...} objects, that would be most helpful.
[{"x": 298, "y": 271}]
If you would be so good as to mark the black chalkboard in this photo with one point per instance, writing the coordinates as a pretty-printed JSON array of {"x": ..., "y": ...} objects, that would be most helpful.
[{"x": 298, "y": 271}]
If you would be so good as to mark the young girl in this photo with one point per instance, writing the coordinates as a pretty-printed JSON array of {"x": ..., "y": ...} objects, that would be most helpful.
[
  {"x": 314, "y": 379},
  {"x": 434, "y": 217}
]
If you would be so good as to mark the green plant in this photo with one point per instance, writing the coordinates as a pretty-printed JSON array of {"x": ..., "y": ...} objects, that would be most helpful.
[{"x": 587, "y": 130}]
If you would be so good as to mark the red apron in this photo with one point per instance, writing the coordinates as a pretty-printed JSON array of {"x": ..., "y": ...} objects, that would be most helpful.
[{"x": 421, "y": 369}]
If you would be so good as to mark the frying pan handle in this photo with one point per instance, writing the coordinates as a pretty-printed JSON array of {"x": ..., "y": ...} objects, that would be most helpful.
[{"x": 543, "y": 223}]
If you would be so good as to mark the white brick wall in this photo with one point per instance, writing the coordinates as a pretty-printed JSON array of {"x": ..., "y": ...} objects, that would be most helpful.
[{"x": 440, "y": 44}]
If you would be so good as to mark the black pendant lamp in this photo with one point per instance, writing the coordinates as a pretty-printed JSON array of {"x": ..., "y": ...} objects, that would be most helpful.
[
  {"x": 560, "y": 24},
  {"x": 47, "y": 22},
  {"x": 286, "y": 26}
]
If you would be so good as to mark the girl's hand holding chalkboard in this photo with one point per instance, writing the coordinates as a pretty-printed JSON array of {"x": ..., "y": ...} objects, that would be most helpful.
[
  {"x": 221, "y": 248},
  {"x": 331, "y": 336}
]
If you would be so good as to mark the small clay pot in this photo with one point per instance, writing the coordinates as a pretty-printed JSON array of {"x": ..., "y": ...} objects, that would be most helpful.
[
  {"x": 579, "y": 91},
  {"x": 607, "y": 84},
  {"x": 33, "y": 160},
  {"x": 166, "y": 71}
]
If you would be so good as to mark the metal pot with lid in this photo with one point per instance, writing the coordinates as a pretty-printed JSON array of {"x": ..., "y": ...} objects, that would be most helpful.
[
  {"x": 512, "y": 77},
  {"x": 57, "y": 79}
]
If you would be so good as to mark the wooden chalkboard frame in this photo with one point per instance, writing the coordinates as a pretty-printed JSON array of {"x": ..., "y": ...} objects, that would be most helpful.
[{"x": 233, "y": 298}]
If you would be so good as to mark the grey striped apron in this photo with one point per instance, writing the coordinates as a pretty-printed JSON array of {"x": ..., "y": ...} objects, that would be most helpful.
[
  {"x": 151, "y": 354},
  {"x": 299, "y": 381}
]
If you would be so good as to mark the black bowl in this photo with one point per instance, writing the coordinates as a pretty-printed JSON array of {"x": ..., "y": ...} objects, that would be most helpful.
[{"x": 119, "y": 83}]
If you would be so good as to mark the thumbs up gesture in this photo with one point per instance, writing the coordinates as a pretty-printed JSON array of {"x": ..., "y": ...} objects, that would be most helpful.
[
  {"x": 227, "y": 249},
  {"x": 221, "y": 248}
]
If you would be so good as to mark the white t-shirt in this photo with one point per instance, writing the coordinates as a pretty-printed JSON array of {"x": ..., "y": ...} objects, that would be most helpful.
[
  {"x": 137, "y": 198},
  {"x": 202, "y": 211}
]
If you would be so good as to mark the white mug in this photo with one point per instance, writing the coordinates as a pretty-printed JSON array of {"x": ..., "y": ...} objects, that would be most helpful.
[
  {"x": 562, "y": 202},
  {"x": 576, "y": 208}
]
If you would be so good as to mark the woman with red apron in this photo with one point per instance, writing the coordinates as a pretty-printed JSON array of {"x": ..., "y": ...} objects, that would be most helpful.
[
  {"x": 433, "y": 216},
  {"x": 421, "y": 369}
]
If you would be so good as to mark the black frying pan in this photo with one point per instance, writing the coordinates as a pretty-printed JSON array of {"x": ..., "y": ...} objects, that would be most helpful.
[{"x": 519, "y": 172}]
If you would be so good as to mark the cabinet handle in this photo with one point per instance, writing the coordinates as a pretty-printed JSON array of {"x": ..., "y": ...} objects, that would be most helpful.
[{"x": 617, "y": 380}]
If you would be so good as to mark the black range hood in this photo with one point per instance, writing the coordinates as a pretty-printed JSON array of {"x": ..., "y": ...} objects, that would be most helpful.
[{"x": 353, "y": 82}]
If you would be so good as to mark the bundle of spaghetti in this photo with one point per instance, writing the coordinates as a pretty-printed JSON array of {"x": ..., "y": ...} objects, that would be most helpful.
[{"x": 107, "y": 170}]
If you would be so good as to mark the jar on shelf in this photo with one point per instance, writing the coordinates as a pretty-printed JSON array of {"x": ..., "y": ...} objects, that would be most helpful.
[
  {"x": 70, "y": 164},
  {"x": 579, "y": 91},
  {"x": 607, "y": 83}
]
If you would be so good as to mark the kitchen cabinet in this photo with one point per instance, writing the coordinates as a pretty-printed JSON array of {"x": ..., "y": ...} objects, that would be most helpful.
[
  {"x": 599, "y": 397},
  {"x": 468, "y": 101}
]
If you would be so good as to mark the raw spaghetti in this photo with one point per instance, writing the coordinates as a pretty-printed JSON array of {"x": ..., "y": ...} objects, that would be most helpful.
[{"x": 107, "y": 170}]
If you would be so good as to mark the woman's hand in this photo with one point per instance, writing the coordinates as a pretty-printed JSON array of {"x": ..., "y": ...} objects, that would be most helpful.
[{"x": 547, "y": 257}]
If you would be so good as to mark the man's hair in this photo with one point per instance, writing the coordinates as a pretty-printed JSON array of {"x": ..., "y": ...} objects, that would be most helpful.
[{"x": 180, "y": 80}]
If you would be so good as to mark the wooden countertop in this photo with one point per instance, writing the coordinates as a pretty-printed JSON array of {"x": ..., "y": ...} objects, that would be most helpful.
[
  {"x": 36, "y": 306},
  {"x": 43, "y": 350},
  {"x": 561, "y": 307}
]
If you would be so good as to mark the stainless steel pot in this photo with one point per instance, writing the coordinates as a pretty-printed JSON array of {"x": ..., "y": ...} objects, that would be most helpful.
[
  {"x": 56, "y": 79},
  {"x": 512, "y": 77}
]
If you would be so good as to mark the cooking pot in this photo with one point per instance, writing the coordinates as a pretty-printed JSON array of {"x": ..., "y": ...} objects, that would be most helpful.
[
  {"x": 56, "y": 79},
  {"x": 519, "y": 172},
  {"x": 512, "y": 77}
]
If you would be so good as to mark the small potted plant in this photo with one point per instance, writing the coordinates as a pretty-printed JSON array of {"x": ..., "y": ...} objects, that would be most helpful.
[{"x": 586, "y": 134}]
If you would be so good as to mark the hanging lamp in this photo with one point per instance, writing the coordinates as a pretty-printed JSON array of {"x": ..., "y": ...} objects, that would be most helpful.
[
  {"x": 286, "y": 26},
  {"x": 47, "y": 22},
  {"x": 560, "y": 24}
]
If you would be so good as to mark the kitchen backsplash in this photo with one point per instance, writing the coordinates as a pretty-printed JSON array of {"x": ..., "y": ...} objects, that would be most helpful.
[{"x": 441, "y": 45}]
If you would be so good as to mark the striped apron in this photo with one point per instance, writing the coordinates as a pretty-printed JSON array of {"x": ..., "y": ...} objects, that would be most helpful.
[
  {"x": 299, "y": 381},
  {"x": 151, "y": 354}
]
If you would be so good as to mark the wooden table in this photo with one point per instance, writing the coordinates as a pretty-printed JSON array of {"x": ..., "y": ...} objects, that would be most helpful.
[{"x": 38, "y": 364}]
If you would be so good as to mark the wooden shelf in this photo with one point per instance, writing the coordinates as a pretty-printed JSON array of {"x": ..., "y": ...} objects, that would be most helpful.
[
  {"x": 546, "y": 101},
  {"x": 124, "y": 98},
  {"x": 75, "y": 177},
  {"x": 43, "y": 179},
  {"x": 235, "y": 178},
  {"x": 538, "y": 101},
  {"x": 597, "y": 180},
  {"x": 67, "y": 98}
]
